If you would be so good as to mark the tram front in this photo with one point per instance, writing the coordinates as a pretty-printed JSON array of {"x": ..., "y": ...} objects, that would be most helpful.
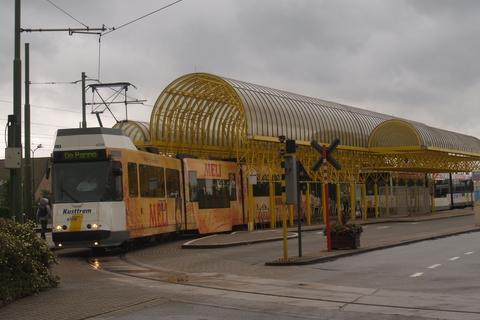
[{"x": 88, "y": 208}]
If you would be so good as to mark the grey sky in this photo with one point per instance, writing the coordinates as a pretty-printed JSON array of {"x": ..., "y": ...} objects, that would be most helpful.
[{"x": 414, "y": 59}]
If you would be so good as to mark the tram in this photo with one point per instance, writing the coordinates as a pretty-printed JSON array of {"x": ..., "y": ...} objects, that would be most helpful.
[
  {"x": 106, "y": 192},
  {"x": 462, "y": 191}
]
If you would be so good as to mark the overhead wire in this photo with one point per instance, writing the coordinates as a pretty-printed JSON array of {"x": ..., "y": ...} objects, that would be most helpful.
[
  {"x": 42, "y": 124},
  {"x": 124, "y": 25},
  {"x": 140, "y": 18},
  {"x": 103, "y": 34},
  {"x": 49, "y": 108},
  {"x": 68, "y": 14}
]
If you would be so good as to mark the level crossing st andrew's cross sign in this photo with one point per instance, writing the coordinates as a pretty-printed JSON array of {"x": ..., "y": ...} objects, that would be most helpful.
[{"x": 326, "y": 156}]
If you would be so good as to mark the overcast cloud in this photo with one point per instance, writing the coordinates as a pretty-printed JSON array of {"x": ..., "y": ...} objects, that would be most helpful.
[{"x": 413, "y": 59}]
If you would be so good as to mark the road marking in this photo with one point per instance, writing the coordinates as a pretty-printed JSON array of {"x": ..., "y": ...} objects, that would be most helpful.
[
  {"x": 433, "y": 266},
  {"x": 469, "y": 252},
  {"x": 413, "y": 222},
  {"x": 454, "y": 258},
  {"x": 418, "y": 274},
  {"x": 194, "y": 240},
  {"x": 383, "y": 227}
]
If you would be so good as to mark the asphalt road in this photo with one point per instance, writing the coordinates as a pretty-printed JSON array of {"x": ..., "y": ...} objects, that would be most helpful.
[
  {"x": 374, "y": 269},
  {"x": 430, "y": 279},
  {"x": 449, "y": 265},
  {"x": 395, "y": 283}
]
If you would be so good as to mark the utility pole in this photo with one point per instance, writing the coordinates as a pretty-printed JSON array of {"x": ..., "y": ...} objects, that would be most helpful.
[
  {"x": 27, "y": 177},
  {"x": 13, "y": 152},
  {"x": 16, "y": 141}
]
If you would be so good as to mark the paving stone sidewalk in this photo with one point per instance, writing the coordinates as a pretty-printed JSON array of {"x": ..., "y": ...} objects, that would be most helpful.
[{"x": 369, "y": 240}]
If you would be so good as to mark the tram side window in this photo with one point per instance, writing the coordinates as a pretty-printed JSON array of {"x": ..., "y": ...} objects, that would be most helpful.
[
  {"x": 172, "y": 178},
  {"x": 132, "y": 180},
  {"x": 193, "y": 185},
  {"x": 115, "y": 185},
  {"x": 441, "y": 190},
  {"x": 213, "y": 193},
  {"x": 458, "y": 187},
  {"x": 152, "y": 181}
]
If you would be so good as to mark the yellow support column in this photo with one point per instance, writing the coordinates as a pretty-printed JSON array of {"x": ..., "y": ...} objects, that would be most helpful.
[
  {"x": 285, "y": 232},
  {"x": 273, "y": 209},
  {"x": 375, "y": 199},
  {"x": 338, "y": 202},
  {"x": 251, "y": 205},
  {"x": 387, "y": 198},
  {"x": 364, "y": 202},
  {"x": 352, "y": 201},
  {"x": 291, "y": 209},
  {"x": 308, "y": 205},
  {"x": 395, "y": 198},
  {"x": 433, "y": 197}
]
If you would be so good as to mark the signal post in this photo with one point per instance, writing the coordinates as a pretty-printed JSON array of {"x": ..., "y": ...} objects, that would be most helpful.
[{"x": 326, "y": 157}]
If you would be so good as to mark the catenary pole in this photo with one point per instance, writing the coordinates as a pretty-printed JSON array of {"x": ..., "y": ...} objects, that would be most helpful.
[
  {"x": 27, "y": 177},
  {"x": 16, "y": 173}
]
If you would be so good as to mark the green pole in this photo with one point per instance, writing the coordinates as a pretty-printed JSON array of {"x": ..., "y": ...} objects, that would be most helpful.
[
  {"x": 16, "y": 173},
  {"x": 27, "y": 178}
]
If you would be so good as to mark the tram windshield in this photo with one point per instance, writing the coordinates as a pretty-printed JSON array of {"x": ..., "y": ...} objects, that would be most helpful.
[{"x": 86, "y": 182}]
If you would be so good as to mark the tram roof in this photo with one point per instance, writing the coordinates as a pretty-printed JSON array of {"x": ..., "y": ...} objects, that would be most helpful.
[{"x": 206, "y": 109}]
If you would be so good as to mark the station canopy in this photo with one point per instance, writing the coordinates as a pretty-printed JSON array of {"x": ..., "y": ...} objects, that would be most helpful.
[
  {"x": 211, "y": 116},
  {"x": 137, "y": 131}
]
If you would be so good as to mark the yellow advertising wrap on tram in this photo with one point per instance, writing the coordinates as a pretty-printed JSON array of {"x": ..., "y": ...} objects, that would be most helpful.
[
  {"x": 154, "y": 204},
  {"x": 213, "y": 195}
]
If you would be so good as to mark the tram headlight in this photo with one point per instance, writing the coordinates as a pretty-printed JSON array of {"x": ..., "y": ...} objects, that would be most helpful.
[
  {"x": 58, "y": 228},
  {"x": 95, "y": 243},
  {"x": 94, "y": 226},
  {"x": 59, "y": 245}
]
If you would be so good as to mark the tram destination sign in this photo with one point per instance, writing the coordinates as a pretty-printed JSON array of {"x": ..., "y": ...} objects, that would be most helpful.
[{"x": 80, "y": 155}]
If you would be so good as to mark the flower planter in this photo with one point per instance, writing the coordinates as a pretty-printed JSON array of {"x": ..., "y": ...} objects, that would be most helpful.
[{"x": 345, "y": 240}]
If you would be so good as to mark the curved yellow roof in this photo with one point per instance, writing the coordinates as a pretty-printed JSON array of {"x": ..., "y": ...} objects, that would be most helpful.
[
  {"x": 138, "y": 131},
  {"x": 205, "y": 109}
]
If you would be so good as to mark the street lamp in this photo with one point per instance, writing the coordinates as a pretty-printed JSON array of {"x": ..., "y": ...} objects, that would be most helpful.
[{"x": 39, "y": 146}]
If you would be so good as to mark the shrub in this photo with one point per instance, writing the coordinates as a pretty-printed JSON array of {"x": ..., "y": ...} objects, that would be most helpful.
[
  {"x": 25, "y": 261},
  {"x": 345, "y": 228}
]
